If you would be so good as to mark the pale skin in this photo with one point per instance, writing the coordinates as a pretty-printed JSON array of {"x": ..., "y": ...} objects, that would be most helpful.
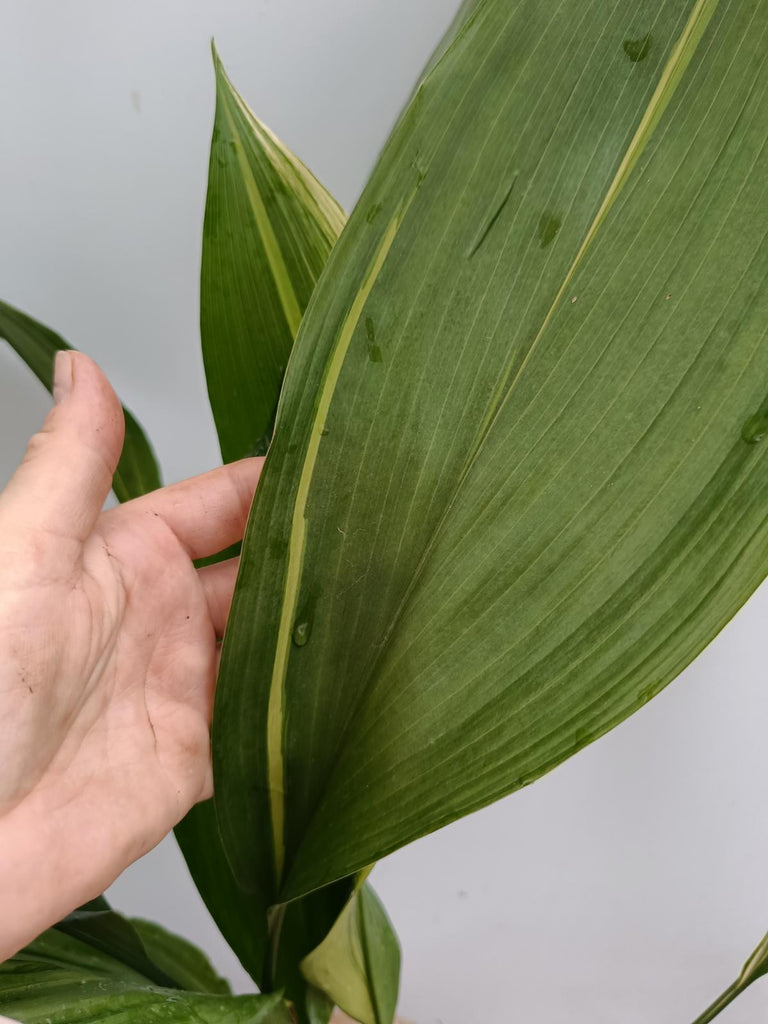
[{"x": 108, "y": 655}]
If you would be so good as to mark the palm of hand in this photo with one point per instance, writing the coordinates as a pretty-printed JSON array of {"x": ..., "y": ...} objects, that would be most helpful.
[
  {"x": 118, "y": 697},
  {"x": 108, "y": 651}
]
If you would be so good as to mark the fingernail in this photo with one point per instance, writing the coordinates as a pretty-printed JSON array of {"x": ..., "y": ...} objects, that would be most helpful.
[{"x": 62, "y": 376}]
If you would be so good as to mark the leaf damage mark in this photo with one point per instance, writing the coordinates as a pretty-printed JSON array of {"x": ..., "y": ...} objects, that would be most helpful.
[
  {"x": 494, "y": 212},
  {"x": 755, "y": 427},
  {"x": 374, "y": 352},
  {"x": 638, "y": 49},
  {"x": 547, "y": 229}
]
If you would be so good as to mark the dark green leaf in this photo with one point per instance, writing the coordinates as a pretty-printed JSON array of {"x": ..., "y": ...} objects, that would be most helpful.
[
  {"x": 479, "y": 547},
  {"x": 299, "y": 927},
  {"x": 188, "y": 966},
  {"x": 240, "y": 916},
  {"x": 100, "y": 927},
  {"x": 60, "y": 980},
  {"x": 269, "y": 227},
  {"x": 137, "y": 472}
]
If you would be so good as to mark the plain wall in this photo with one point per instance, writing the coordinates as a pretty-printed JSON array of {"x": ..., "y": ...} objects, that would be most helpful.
[{"x": 625, "y": 888}]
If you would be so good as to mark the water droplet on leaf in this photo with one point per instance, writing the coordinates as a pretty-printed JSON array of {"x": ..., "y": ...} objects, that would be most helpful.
[
  {"x": 301, "y": 633},
  {"x": 370, "y": 328}
]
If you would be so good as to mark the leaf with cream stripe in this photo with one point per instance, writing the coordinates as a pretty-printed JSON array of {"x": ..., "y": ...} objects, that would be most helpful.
[{"x": 530, "y": 499}]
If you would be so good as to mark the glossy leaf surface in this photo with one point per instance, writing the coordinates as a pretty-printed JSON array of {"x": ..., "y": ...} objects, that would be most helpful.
[
  {"x": 60, "y": 980},
  {"x": 189, "y": 967},
  {"x": 269, "y": 227},
  {"x": 99, "y": 926},
  {"x": 517, "y": 481},
  {"x": 358, "y": 964},
  {"x": 137, "y": 472}
]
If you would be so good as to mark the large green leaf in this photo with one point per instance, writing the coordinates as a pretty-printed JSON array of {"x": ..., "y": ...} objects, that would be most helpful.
[
  {"x": 516, "y": 483},
  {"x": 137, "y": 472},
  {"x": 269, "y": 227},
  {"x": 756, "y": 967},
  {"x": 60, "y": 980},
  {"x": 358, "y": 964}
]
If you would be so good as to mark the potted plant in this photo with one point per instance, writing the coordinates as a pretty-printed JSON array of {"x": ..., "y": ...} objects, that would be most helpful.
[{"x": 515, "y": 482}]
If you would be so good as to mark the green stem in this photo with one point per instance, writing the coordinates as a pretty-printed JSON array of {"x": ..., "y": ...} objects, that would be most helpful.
[
  {"x": 275, "y": 918},
  {"x": 721, "y": 1002}
]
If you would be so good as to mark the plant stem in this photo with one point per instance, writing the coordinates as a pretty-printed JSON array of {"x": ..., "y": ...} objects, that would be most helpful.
[
  {"x": 721, "y": 1002},
  {"x": 275, "y": 918}
]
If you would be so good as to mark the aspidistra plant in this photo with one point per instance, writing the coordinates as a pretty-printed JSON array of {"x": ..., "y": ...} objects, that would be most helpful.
[{"x": 516, "y": 480}]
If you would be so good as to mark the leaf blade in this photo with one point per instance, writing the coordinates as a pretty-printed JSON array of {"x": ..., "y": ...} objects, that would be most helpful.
[
  {"x": 269, "y": 227},
  {"x": 137, "y": 472},
  {"x": 59, "y": 980},
  {"x": 384, "y": 708},
  {"x": 358, "y": 963}
]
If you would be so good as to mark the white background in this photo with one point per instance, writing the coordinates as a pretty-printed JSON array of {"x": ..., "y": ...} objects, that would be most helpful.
[{"x": 625, "y": 888}]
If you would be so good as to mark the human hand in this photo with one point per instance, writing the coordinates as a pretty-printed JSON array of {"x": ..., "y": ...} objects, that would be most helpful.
[{"x": 108, "y": 655}]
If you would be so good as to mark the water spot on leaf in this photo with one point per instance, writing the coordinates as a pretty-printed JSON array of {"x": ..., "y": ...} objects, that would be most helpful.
[
  {"x": 638, "y": 49},
  {"x": 755, "y": 428},
  {"x": 374, "y": 212},
  {"x": 301, "y": 633},
  {"x": 370, "y": 329},
  {"x": 374, "y": 354},
  {"x": 547, "y": 230}
]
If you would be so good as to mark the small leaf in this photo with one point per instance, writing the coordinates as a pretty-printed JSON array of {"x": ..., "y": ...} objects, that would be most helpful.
[
  {"x": 358, "y": 964},
  {"x": 137, "y": 472},
  {"x": 269, "y": 227}
]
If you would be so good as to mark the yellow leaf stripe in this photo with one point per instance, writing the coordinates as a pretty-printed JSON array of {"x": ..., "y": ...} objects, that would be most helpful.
[
  {"x": 297, "y": 542},
  {"x": 274, "y": 254},
  {"x": 675, "y": 68}
]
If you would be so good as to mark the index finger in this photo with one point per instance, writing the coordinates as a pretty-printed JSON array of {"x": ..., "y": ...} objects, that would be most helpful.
[{"x": 207, "y": 512}]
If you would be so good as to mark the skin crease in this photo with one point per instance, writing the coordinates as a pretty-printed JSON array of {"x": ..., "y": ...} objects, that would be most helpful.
[{"x": 108, "y": 655}]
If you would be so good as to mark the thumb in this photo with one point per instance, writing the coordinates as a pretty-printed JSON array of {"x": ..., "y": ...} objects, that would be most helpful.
[{"x": 66, "y": 473}]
